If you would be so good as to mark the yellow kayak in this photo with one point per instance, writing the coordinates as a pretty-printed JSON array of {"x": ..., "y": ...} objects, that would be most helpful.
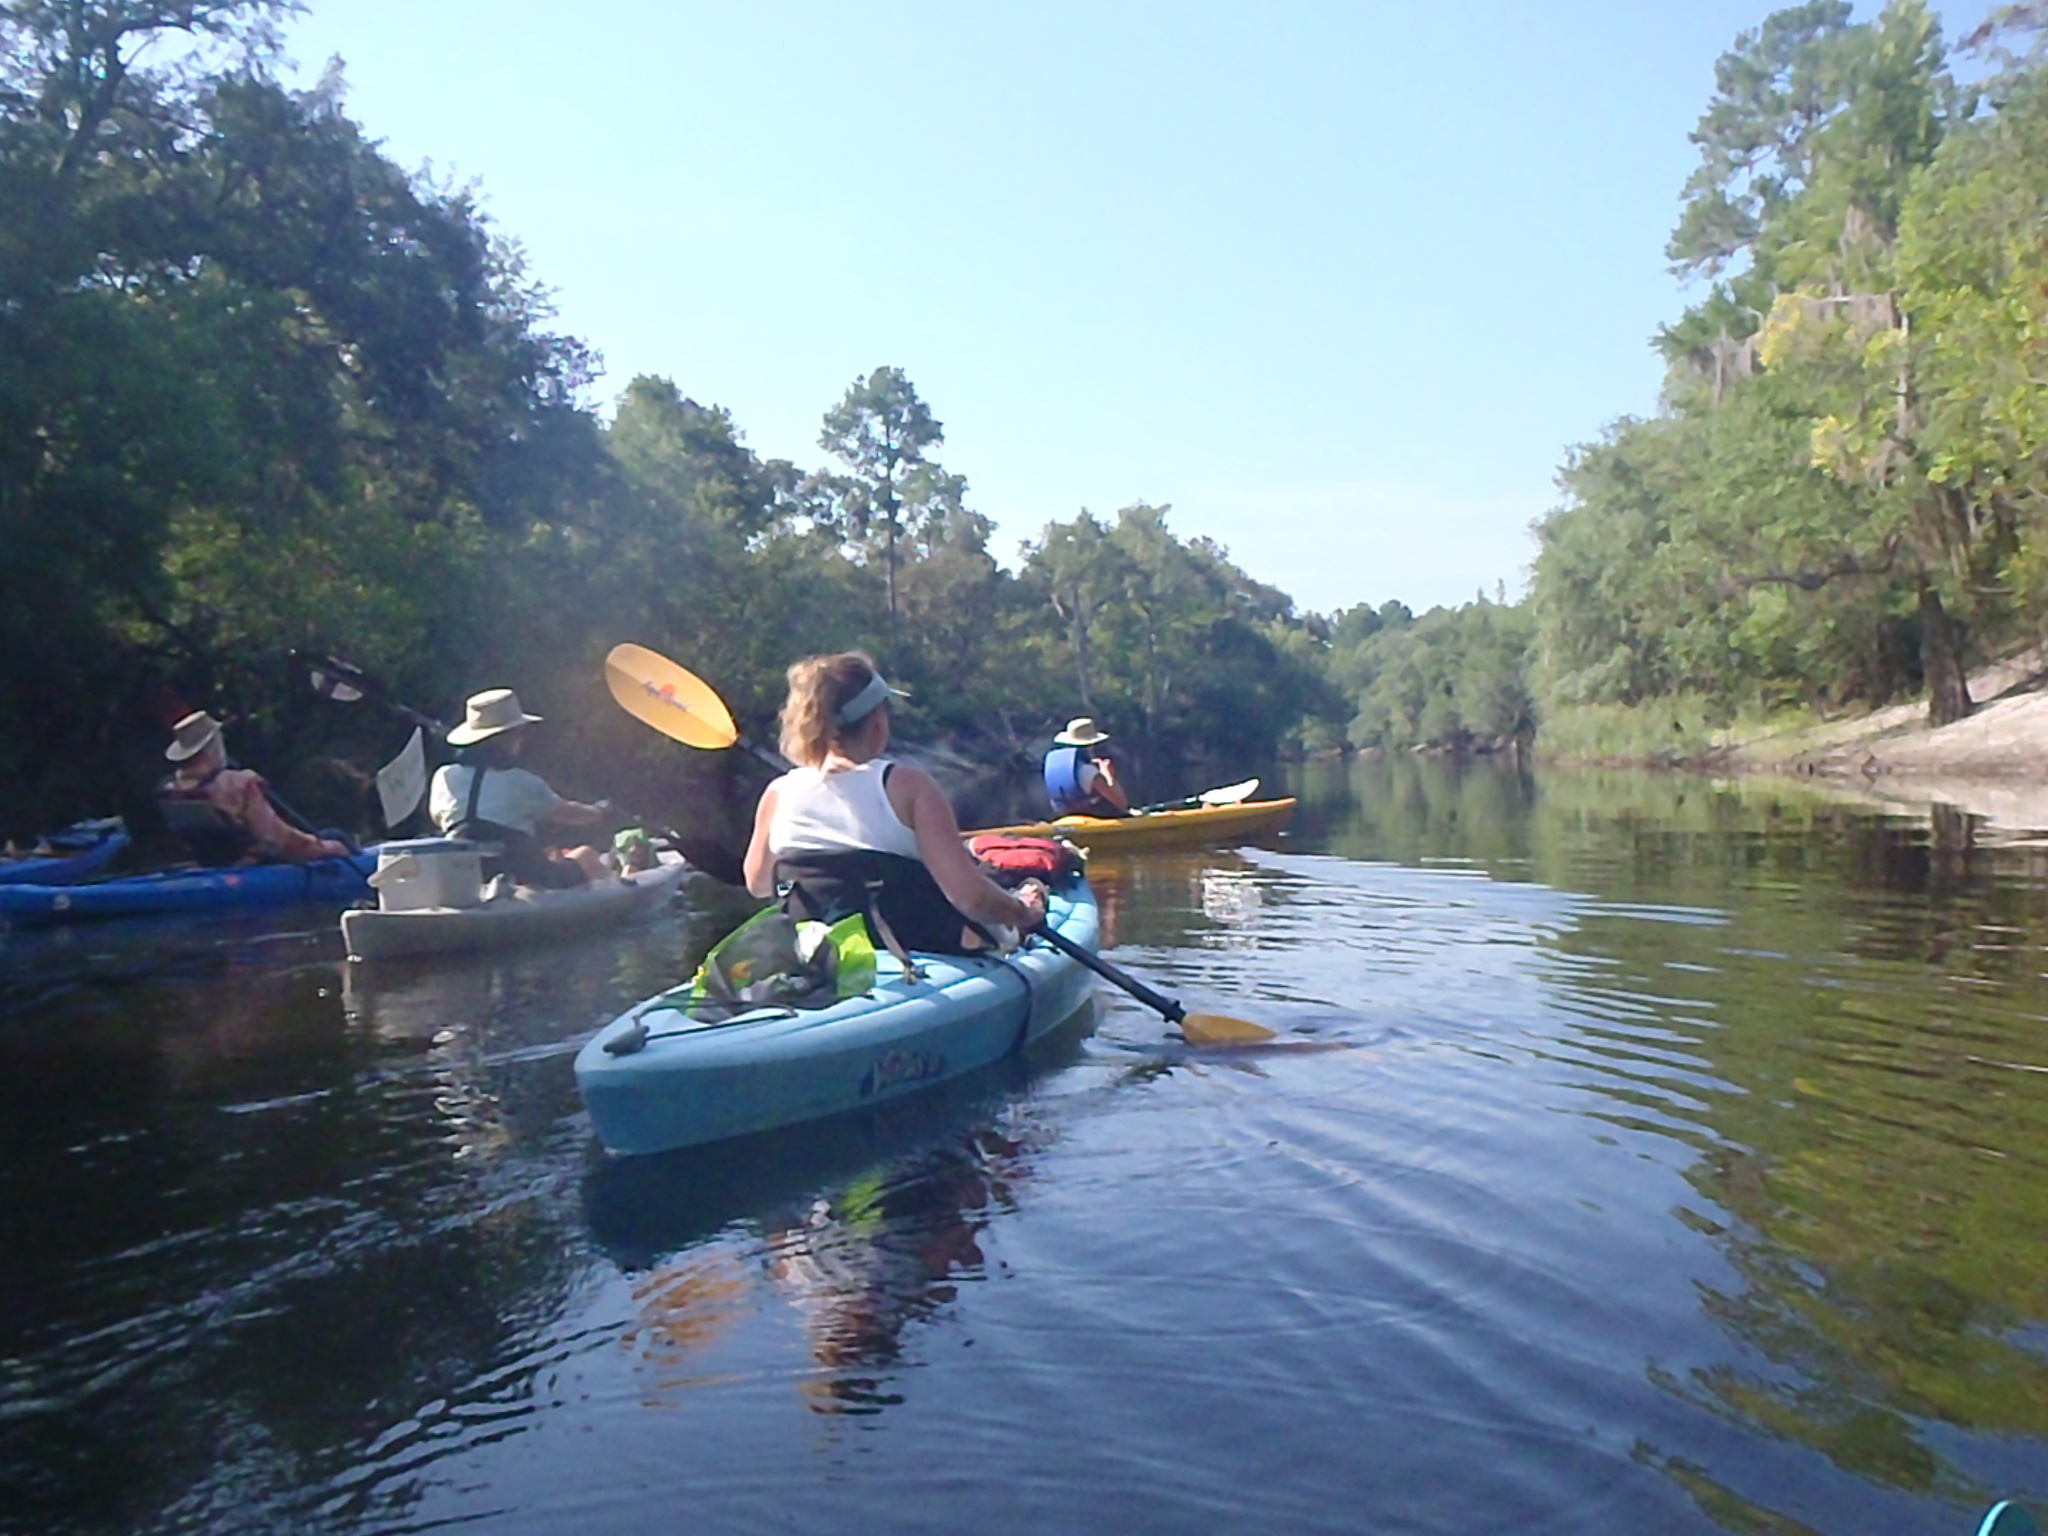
[{"x": 1161, "y": 829}]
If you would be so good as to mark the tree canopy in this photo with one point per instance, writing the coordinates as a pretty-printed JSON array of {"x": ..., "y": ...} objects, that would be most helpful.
[
  {"x": 1841, "y": 498},
  {"x": 262, "y": 389}
]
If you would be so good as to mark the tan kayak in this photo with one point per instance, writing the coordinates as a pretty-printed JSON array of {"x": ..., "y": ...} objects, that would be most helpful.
[
  {"x": 518, "y": 917},
  {"x": 1161, "y": 829}
]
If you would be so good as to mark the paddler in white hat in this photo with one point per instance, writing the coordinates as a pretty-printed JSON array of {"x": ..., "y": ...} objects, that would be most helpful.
[
  {"x": 1081, "y": 780},
  {"x": 486, "y": 796},
  {"x": 227, "y": 815}
]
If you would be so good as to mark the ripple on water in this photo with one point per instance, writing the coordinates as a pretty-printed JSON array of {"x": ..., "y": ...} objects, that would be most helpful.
[{"x": 1639, "y": 1178}]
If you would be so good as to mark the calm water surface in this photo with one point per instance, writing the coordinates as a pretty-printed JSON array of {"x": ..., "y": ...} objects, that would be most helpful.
[{"x": 1641, "y": 1155}]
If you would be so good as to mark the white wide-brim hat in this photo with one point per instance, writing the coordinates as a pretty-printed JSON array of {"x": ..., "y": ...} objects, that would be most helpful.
[
  {"x": 488, "y": 714},
  {"x": 192, "y": 736},
  {"x": 1080, "y": 732}
]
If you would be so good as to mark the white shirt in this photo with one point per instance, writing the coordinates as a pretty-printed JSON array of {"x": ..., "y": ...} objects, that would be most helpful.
[
  {"x": 838, "y": 812},
  {"x": 512, "y": 797}
]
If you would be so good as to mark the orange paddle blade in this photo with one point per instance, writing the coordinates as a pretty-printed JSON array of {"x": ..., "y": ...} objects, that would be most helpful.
[
  {"x": 679, "y": 704},
  {"x": 1222, "y": 1029}
]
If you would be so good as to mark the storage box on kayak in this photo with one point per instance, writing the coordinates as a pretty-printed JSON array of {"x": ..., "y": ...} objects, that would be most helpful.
[{"x": 428, "y": 872}]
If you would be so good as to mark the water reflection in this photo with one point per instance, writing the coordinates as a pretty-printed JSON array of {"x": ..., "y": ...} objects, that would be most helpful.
[
  {"x": 862, "y": 1225},
  {"x": 1176, "y": 896},
  {"x": 1690, "y": 1178},
  {"x": 1855, "y": 1051},
  {"x": 264, "y": 1208},
  {"x": 886, "y": 1252}
]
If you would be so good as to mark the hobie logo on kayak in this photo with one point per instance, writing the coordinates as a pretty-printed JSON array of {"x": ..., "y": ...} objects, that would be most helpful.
[{"x": 900, "y": 1067}]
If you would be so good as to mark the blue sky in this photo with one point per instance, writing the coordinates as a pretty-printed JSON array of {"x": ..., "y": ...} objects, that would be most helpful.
[{"x": 1340, "y": 282}]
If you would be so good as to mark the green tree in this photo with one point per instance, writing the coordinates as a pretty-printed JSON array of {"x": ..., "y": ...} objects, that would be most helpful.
[
  {"x": 1974, "y": 280},
  {"x": 258, "y": 387},
  {"x": 1172, "y": 641},
  {"x": 892, "y": 491},
  {"x": 1786, "y": 525}
]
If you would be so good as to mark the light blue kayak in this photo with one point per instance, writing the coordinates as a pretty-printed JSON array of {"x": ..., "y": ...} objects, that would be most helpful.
[
  {"x": 189, "y": 890},
  {"x": 2008, "y": 1519},
  {"x": 693, "y": 1082}
]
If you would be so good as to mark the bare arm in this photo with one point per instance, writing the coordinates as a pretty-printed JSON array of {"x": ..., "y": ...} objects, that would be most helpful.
[
  {"x": 574, "y": 813},
  {"x": 923, "y": 806},
  {"x": 246, "y": 801},
  {"x": 1107, "y": 786},
  {"x": 760, "y": 864}
]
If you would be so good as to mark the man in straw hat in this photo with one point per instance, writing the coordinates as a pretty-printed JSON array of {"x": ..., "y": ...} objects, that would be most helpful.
[
  {"x": 1081, "y": 780},
  {"x": 227, "y": 815},
  {"x": 487, "y": 796}
]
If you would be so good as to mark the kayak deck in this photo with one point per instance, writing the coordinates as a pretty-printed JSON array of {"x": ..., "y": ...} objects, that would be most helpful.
[
  {"x": 64, "y": 867},
  {"x": 189, "y": 890},
  {"x": 524, "y": 915},
  {"x": 1162, "y": 829},
  {"x": 695, "y": 1081}
]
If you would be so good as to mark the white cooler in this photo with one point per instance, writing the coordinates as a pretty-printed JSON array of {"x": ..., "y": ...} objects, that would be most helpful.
[{"x": 428, "y": 872}]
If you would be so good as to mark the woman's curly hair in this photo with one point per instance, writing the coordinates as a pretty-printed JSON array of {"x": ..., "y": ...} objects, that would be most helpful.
[{"x": 819, "y": 687}]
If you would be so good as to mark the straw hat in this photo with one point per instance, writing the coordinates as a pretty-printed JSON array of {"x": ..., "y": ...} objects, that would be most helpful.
[
  {"x": 1080, "y": 732},
  {"x": 192, "y": 736},
  {"x": 488, "y": 714}
]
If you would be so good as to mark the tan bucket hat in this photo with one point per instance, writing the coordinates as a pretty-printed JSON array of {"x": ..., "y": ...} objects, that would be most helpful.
[
  {"x": 192, "y": 736},
  {"x": 488, "y": 714},
  {"x": 1080, "y": 732}
]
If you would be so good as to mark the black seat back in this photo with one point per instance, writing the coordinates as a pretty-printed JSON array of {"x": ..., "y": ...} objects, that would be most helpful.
[{"x": 211, "y": 836}]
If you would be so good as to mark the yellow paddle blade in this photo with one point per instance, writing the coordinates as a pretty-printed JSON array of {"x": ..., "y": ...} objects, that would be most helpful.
[
  {"x": 1222, "y": 1029},
  {"x": 657, "y": 692}
]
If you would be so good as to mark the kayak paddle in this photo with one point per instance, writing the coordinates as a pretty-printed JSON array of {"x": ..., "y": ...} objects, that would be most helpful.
[
  {"x": 1229, "y": 794},
  {"x": 346, "y": 683},
  {"x": 402, "y": 782},
  {"x": 677, "y": 703},
  {"x": 685, "y": 708},
  {"x": 1199, "y": 1028}
]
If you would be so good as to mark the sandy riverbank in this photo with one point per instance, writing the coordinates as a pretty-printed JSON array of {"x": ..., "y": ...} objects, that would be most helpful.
[{"x": 1993, "y": 765}]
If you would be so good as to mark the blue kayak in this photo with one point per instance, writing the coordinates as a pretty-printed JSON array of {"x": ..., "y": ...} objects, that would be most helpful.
[
  {"x": 191, "y": 889},
  {"x": 656, "y": 1078},
  {"x": 63, "y": 866}
]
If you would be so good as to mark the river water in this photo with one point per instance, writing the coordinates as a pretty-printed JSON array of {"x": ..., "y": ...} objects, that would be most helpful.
[{"x": 1639, "y": 1154}]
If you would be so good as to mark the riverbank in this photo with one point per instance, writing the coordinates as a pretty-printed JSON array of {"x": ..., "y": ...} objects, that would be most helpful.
[{"x": 1993, "y": 764}]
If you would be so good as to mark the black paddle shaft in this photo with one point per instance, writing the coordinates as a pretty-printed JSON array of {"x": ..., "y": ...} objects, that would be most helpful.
[{"x": 1166, "y": 1006}]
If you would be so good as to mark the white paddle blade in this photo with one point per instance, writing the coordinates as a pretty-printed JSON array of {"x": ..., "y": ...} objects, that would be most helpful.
[
  {"x": 1230, "y": 794},
  {"x": 329, "y": 686},
  {"x": 402, "y": 781},
  {"x": 1222, "y": 1029}
]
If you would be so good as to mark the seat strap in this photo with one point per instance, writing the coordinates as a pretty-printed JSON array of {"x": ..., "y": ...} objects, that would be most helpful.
[{"x": 912, "y": 971}]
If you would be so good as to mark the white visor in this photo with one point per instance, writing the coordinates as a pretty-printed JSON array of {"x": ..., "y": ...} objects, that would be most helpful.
[{"x": 863, "y": 704}]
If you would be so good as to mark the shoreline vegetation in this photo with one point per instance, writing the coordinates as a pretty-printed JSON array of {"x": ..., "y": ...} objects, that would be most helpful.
[
  {"x": 264, "y": 392},
  {"x": 1838, "y": 506},
  {"x": 1999, "y": 749}
]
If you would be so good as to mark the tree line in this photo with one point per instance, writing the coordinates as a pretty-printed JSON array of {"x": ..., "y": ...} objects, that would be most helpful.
[
  {"x": 1840, "y": 499},
  {"x": 262, "y": 391}
]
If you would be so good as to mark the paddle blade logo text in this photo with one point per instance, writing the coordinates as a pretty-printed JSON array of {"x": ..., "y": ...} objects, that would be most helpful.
[{"x": 666, "y": 694}]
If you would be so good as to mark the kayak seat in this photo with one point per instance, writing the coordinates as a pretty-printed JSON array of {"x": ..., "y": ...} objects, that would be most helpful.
[
  {"x": 897, "y": 896},
  {"x": 213, "y": 838}
]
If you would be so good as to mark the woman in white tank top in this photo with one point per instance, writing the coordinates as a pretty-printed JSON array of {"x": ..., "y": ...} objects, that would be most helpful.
[
  {"x": 846, "y": 797},
  {"x": 839, "y": 810}
]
